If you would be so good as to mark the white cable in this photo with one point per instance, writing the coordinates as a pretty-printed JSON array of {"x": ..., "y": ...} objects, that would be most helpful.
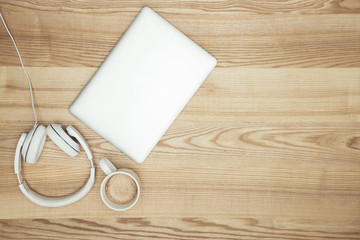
[{"x": 27, "y": 76}]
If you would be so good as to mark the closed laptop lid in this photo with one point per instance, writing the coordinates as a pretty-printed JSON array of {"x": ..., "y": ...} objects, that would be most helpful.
[{"x": 143, "y": 85}]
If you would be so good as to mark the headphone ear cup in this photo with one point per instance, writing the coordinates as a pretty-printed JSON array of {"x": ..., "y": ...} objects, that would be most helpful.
[
  {"x": 63, "y": 140},
  {"x": 26, "y": 144},
  {"x": 34, "y": 144}
]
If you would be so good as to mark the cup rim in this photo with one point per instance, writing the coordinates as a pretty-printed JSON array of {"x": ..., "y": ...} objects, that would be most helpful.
[{"x": 103, "y": 192}]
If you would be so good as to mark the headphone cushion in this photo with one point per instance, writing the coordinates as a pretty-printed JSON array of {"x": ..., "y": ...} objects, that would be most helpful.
[
  {"x": 63, "y": 140},
  {"x": 35, "y": 145},
  {"x": 26, "y": 144}
]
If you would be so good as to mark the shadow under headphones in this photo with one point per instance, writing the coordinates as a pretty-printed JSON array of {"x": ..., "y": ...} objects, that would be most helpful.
[{"x": 30, "y": 146}]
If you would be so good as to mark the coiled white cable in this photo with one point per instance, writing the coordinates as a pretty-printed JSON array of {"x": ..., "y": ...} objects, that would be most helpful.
[{"x": 27, "y": 76}]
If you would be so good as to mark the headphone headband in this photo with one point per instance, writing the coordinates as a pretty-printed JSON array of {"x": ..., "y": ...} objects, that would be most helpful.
[
  {"x": 58, "y": 201},
  {"x": 17, "y": 163},
  {"x": 53, "y": 201}
]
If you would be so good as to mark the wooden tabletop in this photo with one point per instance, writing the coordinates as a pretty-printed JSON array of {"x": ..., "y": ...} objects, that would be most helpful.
[{"x": 269, "y": 147}]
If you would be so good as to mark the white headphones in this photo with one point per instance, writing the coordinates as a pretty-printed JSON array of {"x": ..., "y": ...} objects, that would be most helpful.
[{"x": 30, "y": 146}]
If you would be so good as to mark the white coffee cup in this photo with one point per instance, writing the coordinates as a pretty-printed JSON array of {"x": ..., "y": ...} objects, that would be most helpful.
[{"x": 110, "y": 170}]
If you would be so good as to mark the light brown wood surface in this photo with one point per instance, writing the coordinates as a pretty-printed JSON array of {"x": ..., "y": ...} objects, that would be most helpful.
[{"x": 269, "y": 147}]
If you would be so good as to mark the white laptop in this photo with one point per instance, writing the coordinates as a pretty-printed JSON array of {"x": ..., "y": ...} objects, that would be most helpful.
[{"x": 143, "y": 85}]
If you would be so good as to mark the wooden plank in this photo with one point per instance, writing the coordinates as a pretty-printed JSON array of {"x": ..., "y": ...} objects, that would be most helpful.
[
  {"x": 180, "y": 228},
  {"x": 229, "y": 95},
  {"x": 193, "y": 7},
  {"x": 236, "y": 40},
  {"x": 207, "y": 171}
]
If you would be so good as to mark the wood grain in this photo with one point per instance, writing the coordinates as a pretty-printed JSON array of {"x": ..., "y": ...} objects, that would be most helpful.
[
  {"x": 193, "y": 7},
  {"x": 268, "y": 148},
  {"x": 235, "y": 39},
  {"x": 268, "y": 95},
  {"x": 180, "y": 228}
]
